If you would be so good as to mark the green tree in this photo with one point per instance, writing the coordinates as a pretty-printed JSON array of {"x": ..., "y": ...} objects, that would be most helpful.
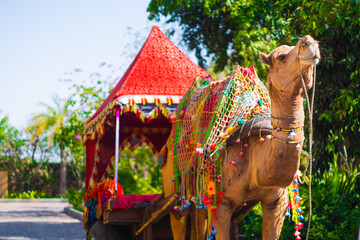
[
  {"x": 10, "y": 151},
  {"x": 336, "y": 25},
  {"x": 228, "y": 32},
  {"x": 24, "y": 174},
  {"x": 139, "y": 171},
  {"x": 235, "y": 31},
  {"x": 10, "y": 141},
  {"x": 52, "y": 123},
  {"x": 71, "y": 137},
  {"x": 84, "y": 101}
]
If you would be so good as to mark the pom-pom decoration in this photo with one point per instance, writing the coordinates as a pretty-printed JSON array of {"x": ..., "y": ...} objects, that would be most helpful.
[
  {"x": 232, "y": 163},
  {"x": 294, "y": 204},
  {"x": 241, "y": 121},
  {"x": 246, "y": 145},
  {"x": 199, "y": 151},
  {"x": 241, "y": 154}
]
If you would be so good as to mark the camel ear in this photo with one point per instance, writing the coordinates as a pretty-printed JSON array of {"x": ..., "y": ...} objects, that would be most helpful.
[{"x": 264, "y": 58}]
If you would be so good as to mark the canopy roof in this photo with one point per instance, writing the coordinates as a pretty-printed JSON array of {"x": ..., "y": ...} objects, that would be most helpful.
[
  {"x": 159, "y": 70},
  {"x": 146, "y": 95}
]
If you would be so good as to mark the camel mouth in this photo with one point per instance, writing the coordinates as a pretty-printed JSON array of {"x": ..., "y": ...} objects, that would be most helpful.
[{"x": 310, "y": 60}]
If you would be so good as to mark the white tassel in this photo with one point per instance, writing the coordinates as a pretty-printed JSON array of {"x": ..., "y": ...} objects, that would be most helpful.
[{"x": 292, "y": 134}]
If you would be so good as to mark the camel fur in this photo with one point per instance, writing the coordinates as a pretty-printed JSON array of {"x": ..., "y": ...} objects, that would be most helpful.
[{"x": 267, "y": 168}]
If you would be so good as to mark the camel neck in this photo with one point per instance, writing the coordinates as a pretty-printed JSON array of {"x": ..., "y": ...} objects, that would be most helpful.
[
  {"x": 287, "y": 111},
  {"x": 284, "y": 159}
]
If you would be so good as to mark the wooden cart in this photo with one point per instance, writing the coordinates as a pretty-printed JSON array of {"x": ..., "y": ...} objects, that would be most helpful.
[
  {"x": 138, "y": 111},
  {"x": 147, "y": 220}
]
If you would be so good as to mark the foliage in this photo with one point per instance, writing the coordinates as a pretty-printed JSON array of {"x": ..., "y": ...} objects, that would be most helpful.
[
  {"x": 90, "y": 89},
  {"x": 88, "y": 99},
  {"x": 76, "y": 197},
  {"x": 235, "y": 31},
  {"x": 10, "y": 141},
  {"x": 252, "y": 223},
  {"x": 52, "y": 124},
  {"x": 336, "y": 25},
  {"x": 336, "y": 207},
  {"x": 139, "y": 171},
  {"x": 75, "y": 151},
  {"x": 230, "y": 32},
  {"x": 23, "y": 173},
  {"x": 336, "y": 203},
  {"x": 84, "y": 101},
  {"x": 30, "y": 194}
]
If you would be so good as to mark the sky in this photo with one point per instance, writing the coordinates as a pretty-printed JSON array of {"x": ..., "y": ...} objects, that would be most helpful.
[{"x": 41, "y": 40}]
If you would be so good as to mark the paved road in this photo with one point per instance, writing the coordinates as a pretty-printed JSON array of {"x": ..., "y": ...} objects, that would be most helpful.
[{"x": 38, "y": 220}]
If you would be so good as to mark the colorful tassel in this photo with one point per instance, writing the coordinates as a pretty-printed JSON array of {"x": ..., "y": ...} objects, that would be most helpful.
[
  {"x": 241, "y": 154},
  {"x": 241, "y": 121}
]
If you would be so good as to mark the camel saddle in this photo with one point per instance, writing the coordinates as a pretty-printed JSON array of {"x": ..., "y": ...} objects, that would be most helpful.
[{"x": 259, "y": 125}]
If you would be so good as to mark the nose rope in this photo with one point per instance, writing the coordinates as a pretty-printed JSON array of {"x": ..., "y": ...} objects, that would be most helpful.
[{"x": 311, "y": 111}]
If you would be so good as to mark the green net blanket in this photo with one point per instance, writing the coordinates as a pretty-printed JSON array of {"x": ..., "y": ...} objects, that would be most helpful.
[{"x": 208, "y": 114}]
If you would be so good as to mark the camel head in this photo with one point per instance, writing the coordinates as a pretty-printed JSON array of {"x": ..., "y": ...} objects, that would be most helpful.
[{"x": 284, "y": 74}]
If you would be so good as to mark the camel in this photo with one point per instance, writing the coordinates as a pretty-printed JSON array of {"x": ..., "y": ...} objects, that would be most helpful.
[{"x": 268, "y": 167}]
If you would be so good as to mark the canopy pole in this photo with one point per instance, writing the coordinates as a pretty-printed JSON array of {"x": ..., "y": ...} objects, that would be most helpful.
[{"x": 117, "y": 137}]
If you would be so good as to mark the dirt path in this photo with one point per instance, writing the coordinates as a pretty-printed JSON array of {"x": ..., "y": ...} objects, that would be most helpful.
[{"x": 38, "y": 220}]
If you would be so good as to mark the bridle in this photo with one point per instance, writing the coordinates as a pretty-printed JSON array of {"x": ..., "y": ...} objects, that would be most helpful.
[{"x": 310, "y": 111}]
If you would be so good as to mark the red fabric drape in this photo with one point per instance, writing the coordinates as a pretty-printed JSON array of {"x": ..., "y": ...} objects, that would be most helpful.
[{"x": 126, "y": 201}]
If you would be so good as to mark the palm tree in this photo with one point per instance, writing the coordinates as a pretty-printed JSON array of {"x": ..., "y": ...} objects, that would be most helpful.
[{"x": 52, "y": 123}]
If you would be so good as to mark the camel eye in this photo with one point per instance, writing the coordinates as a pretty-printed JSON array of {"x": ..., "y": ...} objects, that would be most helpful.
[{"x": 281, "y": 57}]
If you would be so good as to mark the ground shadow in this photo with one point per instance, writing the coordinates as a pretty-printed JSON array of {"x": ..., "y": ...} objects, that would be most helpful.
[{"x": 41, "y": 230}]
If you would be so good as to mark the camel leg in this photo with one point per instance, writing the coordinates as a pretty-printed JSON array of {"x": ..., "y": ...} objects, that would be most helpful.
[
  {"x": 223, "y": 221},
  {"x": 273, "y": 217},
  {"x": 198, "y": 223},
  {"x": 178, "y": 222}
]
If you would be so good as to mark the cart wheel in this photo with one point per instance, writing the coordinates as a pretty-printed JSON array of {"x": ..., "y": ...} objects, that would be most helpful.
[{"x": 100, "y": 231}]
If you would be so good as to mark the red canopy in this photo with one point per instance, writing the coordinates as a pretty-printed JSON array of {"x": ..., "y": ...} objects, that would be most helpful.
[{"x": 147, "y": 95}]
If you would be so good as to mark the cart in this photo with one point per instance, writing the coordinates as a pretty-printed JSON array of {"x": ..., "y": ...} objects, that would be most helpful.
[{"x": 138, "y": 111}]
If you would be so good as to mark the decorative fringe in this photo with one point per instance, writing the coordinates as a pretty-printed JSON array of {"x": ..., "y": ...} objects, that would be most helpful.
[
  {"x": 208, "y": 114},
  {"x": 294, "y": 205}
]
